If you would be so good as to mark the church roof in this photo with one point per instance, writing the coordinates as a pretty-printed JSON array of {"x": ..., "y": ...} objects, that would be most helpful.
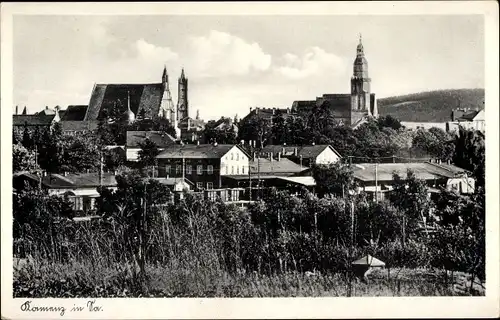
[
  {"x": 145, "y": 97},
  {"x": 74, "y": 113}
]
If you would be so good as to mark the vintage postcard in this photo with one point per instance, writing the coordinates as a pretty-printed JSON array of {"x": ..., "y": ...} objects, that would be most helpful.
[{"x": 250, "y": 160}]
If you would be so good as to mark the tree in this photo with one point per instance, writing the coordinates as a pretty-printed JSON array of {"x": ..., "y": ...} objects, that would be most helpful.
[
  {"x": 256, "y": 128},
  {"x": 147, "y": 154},
  {"x": 22, "y": 159},
  {"x": 433, "y": 142},
  {"x": 470, "y": 153},
  {"x": 410, "y": 195},
  {"x": 389, "y": 122},
  {"x": 80, "y": 153},
  {"x": 131, "y": 208},
  {"x": 337, "y": 179},
  {"x": 27, "y": 139}
]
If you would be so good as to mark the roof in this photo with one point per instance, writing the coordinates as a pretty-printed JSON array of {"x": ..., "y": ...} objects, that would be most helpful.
[
  {"x": 422, "y": 170},
  {"x": 145, "y": 97},
  {"x": 306, "y": 181},
  {"x": 267, "y": 113},
  {"x": 32, "y": 120},
  {"x": 47, "y": 111},
  {"x": 368, "y": 260},
  {"x": 172, "y": 181},
  {"x": 79, "y": 125},
  {"x": 308, "y": 151},
  {"x": 266, "y": 166},
  {"x": 161, "y": 139},
  {"x": 469, "y": 116},
  {"x": 206, "y": 151},
  {"x": 74, "y": 180},
  {"x": 74, "y": 113}
]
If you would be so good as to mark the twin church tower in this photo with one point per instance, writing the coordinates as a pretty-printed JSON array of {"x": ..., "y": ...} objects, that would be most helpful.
[{"x": 167, "y": 108}]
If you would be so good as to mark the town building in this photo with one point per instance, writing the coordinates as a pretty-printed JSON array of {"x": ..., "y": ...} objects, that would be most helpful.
[
  {"x": 135, "y": 138},
  {"x": 467, "y": 119},
  {"x": 203, "y": 165},
  {"x": 377, "y": 179},
  {"x": 79, "y": 188},
  {"x": 347, "y": 109},
  {"x": 307, "y": 155}
]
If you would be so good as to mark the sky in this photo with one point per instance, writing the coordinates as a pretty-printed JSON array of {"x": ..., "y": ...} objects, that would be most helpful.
[{"x": 237, "y": 62}]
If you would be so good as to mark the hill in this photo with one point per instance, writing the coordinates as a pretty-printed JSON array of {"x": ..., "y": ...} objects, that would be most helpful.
[{"x": 432, "y": 106}]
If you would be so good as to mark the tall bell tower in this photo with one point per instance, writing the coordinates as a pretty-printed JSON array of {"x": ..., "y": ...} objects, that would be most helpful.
[
  {"x": 182, "y": 102},
  {"x": 360, "y": 86}
]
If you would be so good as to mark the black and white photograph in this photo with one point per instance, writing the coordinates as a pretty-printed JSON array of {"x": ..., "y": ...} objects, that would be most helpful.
[{"x": 248, "y": 155}]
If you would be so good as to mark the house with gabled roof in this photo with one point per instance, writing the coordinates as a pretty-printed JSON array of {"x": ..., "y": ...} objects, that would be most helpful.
[
  {"x": 203, "y": 164},
  {"x": 162, "y": 140}
]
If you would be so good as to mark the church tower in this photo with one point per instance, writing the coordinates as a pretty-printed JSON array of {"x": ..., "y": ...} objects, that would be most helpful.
[
  {"x": 167, "y": 108},
  {"x": 361, "y": 98},
  {"x": 182, "y": 102}
]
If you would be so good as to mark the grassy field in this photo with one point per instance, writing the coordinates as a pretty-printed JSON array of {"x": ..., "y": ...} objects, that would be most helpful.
[{"x": 45, "y": 279}]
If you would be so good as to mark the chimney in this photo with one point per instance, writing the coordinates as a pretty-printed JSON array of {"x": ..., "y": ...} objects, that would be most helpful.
[
  {"x": 198, "y": 142},
  {"x": 274, "y": 111},
  {"x": 257, "y": 110},
  {"x": 45, "y": 173},
  {"x": 271, "y": 156},
  {"x": 283, "y": 150},
  {"x": 287, "y": 110},
  {"x": 242, "y": 142},
  {"x": 313, "y": 143},
  {"x": 295, "y": 151},
  {"x": 254, "y": 155},
  {"x": 65, "y": 173},
  {"x": 116, "y": 172},
  {"x": 279, "y": 156},
  {"x": 46, "y": 107},
  {"x": 215, "y": 143},
  {"x": 448, "y": 162},
  {"x": 251, "y": 109},
  {"x": 17, "y": 110}
]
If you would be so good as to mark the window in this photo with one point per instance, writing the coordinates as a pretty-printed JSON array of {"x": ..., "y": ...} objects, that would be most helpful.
[
  {"x": 167, "y": 169},
  {"x": 227, "y": 169},
  {"x": 189, "y": 169},
  {"x": 210, "y": 169},
  {"x": 178, "y": 169},
  {"x": 199, "y": 185},
  {"x": 243, "y": 170},
  {"x": 232, "y": 169},
  {"x": 199, "y": 169},
  {"x": 237, "y": 169},
  {"x": 210, "y": 185},
  {"x": 237, "y": 156},
  {"x": 232, "y": 156}
]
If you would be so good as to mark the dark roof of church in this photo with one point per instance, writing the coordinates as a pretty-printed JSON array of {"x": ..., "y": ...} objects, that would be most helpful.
[
  {"x": 74, "y": 113},
  {"x": 78, "y": 125},
  {"x": 162, "y": 140},
  {"x": 32, "y": 120},
  {"x": 145, "y": 97}
]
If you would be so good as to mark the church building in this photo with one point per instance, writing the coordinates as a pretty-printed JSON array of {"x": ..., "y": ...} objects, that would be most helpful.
[{"x": 347, "y": 109}]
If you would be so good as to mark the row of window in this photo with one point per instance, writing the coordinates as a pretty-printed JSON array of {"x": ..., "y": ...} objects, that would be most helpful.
[
  {"x": 199, "y": 185},
  {"x": 199, "y": 169},
  {"x": 189, "y": 169}
]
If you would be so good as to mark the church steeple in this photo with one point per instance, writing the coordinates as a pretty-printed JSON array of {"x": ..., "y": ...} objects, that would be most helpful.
[
  {"x": 362, "y": 101},
  {"x": 130, "y": 113},
  {"x": 164, "y": 77},
  {"x": 182, "y": 102}
]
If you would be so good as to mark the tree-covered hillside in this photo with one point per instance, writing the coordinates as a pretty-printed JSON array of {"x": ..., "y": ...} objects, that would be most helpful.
[{"x": 433, "y": 106}]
